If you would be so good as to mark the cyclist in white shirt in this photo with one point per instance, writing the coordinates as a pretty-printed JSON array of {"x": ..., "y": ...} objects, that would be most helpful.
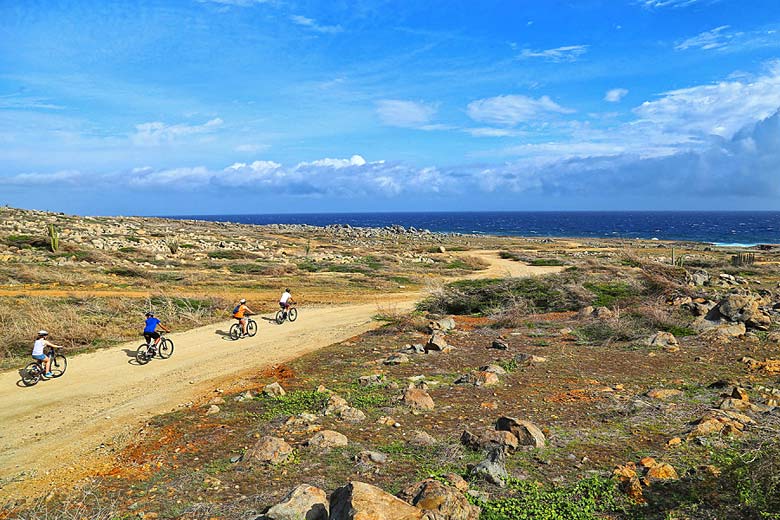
[
  {"x": 285, "y": 301},
  {"x": 38, "y": 347}
]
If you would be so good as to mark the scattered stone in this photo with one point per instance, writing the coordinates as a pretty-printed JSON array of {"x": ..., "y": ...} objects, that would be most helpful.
[
  {"x": 478, "y": 379},
  {"x": 304, "y": 502},
  {"x": 396, "y": 359},
  {"x": 421, "y": 438},
  {"x": 274, "y": 390},
  {"x": 661, "y": 471},
  {"x": 443, "y": 325},
  {"x": 493, "y": 468},
  {"x": 351, "y": 415},
  {"x": 495, "y": 369},
  {"x": 740, "y": 393},
  {"x": 417, "y": 399},
  {"x": 524, "y": 358},
  {"x": 527, "y": 433},
  {"x": 457, "y": 481},
  {"x": 662, "y": 393},
  {"x": 361, "y": 501},
  {"x": 372, "y": 380},
  {"x": 489, "y": 439},
  {"x": 603, "y": 313},
  {"x": 674, "y": 441},
  {"x": 662, "y": 339},
  {"x": 327, "y": 439},
  {"x": 370, "y": 457},
  {"x": 212, "y": 410},
  {"x": 500, "y": 344},
  {"x": 437, "y": 343},
  {"x": 440, "y": 501},
  {"x": 272, "y": 450}
]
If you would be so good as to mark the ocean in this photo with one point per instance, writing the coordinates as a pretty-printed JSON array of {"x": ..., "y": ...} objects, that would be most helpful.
[{"x": 725, "y": 228}]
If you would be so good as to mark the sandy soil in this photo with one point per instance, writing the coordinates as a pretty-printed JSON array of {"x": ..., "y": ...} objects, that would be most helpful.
[{"x": 67, "y": 428}]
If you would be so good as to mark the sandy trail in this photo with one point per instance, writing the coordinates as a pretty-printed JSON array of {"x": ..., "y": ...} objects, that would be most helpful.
[{"x": 104, "y": 398}]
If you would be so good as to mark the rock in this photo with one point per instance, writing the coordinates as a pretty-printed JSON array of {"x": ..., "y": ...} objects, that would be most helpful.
[
  {"x": 663, "y": 393},
  {"x": 603, "y": 313},
  {"x": 719, "y": 331},
  {"x": 212, "y": 410},
  {"x": 647, "y": 462},
  {"x": 478, "y": 379},
  {"x": 327, "y": 439},
  {"x": 700, "y": 278},
  {"x": 440, "y": 501},
  {"x": 443, "y": 324},
  {"x": 274, "y": 390},
  {"x": 272, "y": 450},
  {"x": 744, "y": 309},
  {"x": 493, "y": 468},
  {"x": 417, "y": 399},
  {"x": 585, "y": 312},
  {"x": 369, "y": 457},
  {"x": 774, "y": 337},
  {"x": 351, "y": 415},
  {"x": 305, "y": 502},
  {"x": 372, "y": 380},
  {"x": 490, "y": 439},
  {"x": 527, "y": 433},
  {"x": 360, "y": 501},
  {"x": 500, "y": 344},
  {"x": 494, "y": 369},
  {"x": 396, "y": 359},
  {"x": 629, "y": 481},
  {"x": 437, "y": 343},
  {"x": 421, "y": 438},
  {"x": 457, "y": 482},
  {"x": 336, "y": 404},
  {"x": 661, "y": 471},
  {"x": 740, "y": 393},
  {"x": 662, "y": 339},
  {"x": 524, "y": 358}
]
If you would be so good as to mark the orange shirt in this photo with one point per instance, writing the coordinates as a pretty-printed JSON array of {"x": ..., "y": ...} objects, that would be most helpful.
[{"x": 241, "y": 311}]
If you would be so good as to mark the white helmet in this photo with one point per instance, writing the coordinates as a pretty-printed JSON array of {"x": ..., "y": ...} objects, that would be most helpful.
[
  {"x": 242, "y": 300},
  {"x": 43, "y": 333}
]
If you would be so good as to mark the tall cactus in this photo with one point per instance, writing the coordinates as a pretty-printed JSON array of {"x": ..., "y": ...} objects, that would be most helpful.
[{"x": 54, "y": 238}]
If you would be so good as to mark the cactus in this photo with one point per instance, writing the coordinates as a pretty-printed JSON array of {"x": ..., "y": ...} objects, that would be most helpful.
[
  {"x": 54, "y": 238},
  {"x": 173, "y": 245}
]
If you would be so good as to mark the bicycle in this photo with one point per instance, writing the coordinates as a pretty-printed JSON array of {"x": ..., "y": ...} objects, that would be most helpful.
[
  {"x": 236, "y": 332},
  {"x": 36, "y": 370},
  {"x": 146, "y": 351},
  {"x": 290, "y": 314}
]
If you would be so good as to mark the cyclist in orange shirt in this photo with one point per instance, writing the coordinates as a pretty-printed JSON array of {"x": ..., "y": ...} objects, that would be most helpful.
[{"x": 240, "y": 313}]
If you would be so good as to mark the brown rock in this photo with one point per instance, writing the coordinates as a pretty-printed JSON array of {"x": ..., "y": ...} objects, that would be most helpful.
[
  {"x": 361, "y": 501},
  {"x": 662, "y": 393},
  {"x": 303, "y": 502},
  {"x": 662, "y": 471},
  {"x": 740, "y": 393},
  {"x": 272, "y": 450},
  {"x": 437, "y": 343},
  {"x": 418, "y": 399},
  {"x": 647, "y": 462},
  {"x": 527, "y": 433},
  {"x": 274, "y": 390},
  {"x": 327, "y": 439},
  {"x": 662, "y": 339},
  {"x": 440, "y": 501}
]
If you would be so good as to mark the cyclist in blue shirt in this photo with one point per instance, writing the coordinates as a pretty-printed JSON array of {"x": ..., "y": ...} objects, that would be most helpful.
[{"x": 150, "y": 329}]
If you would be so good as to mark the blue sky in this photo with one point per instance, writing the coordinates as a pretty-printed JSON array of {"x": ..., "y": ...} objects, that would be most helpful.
[{"x": 262, "y": 106}]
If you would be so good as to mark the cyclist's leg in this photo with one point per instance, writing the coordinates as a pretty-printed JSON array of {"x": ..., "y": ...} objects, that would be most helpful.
[
  {"x": 243, "y": 326},
  {"x": 47, "y": 363}
]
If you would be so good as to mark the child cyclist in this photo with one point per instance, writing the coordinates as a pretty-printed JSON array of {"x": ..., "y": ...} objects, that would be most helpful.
[
  {"x": 240, "y": 313},
  {"x": 150, "y": 330},
  {"x": 38, "y": 351},
  {"x": 285, "y": 301}
]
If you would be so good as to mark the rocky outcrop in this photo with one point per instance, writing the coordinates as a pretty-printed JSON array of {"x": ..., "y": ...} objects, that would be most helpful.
[
  {"x": 361, "y": 501},
  {"x": 327, "y": 439},
  {"x": 305, "y": 502},
  {"x": 440, "y": 501},
  {"x": 271, "y": 450},
  {"x": 527, "y": 433}
]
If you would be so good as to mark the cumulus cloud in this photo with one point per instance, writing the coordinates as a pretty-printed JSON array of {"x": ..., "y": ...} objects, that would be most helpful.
[
  {"x": 156, "y": 133},
  {"x": 713, "y": 39},
  {"x": 719, "y": 109},
  {"x": 312, "y": 24},
  {"x": 615, "y": 95},
  {"x": 558, "y": 54},
  {"x": 405, "y": 114},
  {"x": 512, "y": 110}
]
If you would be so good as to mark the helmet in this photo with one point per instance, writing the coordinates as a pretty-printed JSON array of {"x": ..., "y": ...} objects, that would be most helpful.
[
  {"x": 242, "y": 300},
  {"x": 43, "y": 333},
  {"x": 150, "y": 313},
  {"x": 287, "y": 290}
]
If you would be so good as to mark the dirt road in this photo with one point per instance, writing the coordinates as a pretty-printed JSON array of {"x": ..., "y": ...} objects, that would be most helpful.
[{"x": 78, "y": 420}]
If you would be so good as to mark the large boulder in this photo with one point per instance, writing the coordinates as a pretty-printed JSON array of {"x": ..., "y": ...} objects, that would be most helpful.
[
  {"x": 440, "y": 501},
  {"x": 305, "y": 502},
  {"x": 327, "y": 439},
  {"x": 527, "y": 433},
  {"x": 744, "y": 309},
  {"x": 271, "y": 450},
  {"x": 489, "y": 439},
  {"x": 361, "y": 501},
  {"x": 437, "y": 343}
]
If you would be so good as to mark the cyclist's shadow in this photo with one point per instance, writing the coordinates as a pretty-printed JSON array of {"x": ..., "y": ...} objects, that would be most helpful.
[
  {"x": 225, "y": 335},
  {"x": 131, "y": 354}
]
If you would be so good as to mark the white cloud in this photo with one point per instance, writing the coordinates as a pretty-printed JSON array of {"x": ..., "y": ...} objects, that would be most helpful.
[
  {"x": 512, "y": 110},
  {"x": 17, "y": 102},
  {"x": 312, "y": 24},
  {"x": 713, "y": 39},
  {"x": 237, "y": 3},
  {"x": 251, "y": 148},
  {"x": 405, "y": 114},
  {"x": 615, "y": 95},
  {"x": 719, "y": 109},
  {"x": 559, "y": 54},
  {"x": 669, "y": 3},
  {"x": 493, "y": 132},
  {"x": 156, "y": 133}
]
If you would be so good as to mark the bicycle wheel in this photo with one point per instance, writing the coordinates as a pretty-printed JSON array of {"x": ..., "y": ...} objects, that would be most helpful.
[
  {"x": 142, "y": 354},
  {"x": 251, "y": 328},
  {"x": 166, "y": 348},
  {"x": 31, "y": 374},
  {"x": 279, "y": 317},
  {"x": 292, "y": 314},
  {"x": 59, "y": 364},
  {"x": 235, "y": 331}
]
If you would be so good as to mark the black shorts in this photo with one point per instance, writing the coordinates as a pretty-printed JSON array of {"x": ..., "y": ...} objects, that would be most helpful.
[
  {"x": 284, "y": 306},
  {"x": 151, "y": 335}
]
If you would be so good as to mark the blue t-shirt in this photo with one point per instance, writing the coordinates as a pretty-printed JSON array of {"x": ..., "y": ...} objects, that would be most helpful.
[{"x": 151, "y": 324}]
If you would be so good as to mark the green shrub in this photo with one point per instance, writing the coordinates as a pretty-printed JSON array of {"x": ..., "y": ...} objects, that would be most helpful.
[
  {"x": 229, "y": 254},
  {"x": 590, "y": 499},
  {"x": 247, "y": 268},
  {"x": 540, "y": 262},
  {"x": 127, "y": 272},
  {"x": 294, "y": 403},
  {"x": 608, "y": 294},
  {"x": 26, "y": 242}
]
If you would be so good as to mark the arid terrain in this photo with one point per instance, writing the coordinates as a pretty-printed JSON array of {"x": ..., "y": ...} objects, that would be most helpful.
[{"x": 428, "y": 375}]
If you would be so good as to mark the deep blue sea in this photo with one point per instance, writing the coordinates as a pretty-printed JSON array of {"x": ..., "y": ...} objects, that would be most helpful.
[{"x": 722, "y": 228}]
